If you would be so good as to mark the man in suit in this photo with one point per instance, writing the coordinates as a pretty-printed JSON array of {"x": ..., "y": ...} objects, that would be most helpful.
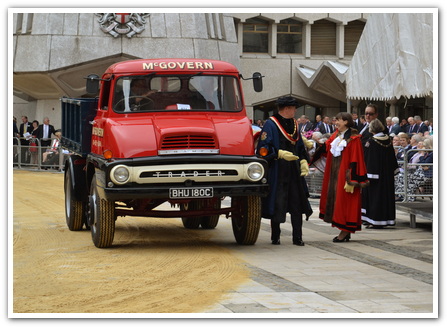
[
  {"x": 325, "y": 127},
  {"x": 395, "y": 128},
  {"x": 371, "y": 113},
  {"x": 25, "y": 127},
  {"x": 420, "y": 127},
  {"x": 305, "y": 125},
  {"x": 44, "y": 132},
  {"x": 389, "y": 124},
  {"x": 317, "y": 123},
  {"x": 410, "y": 128},
  {"x": 355, "y": 118}
]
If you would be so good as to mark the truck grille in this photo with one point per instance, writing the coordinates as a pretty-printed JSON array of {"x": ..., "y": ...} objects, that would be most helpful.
[{"x": 188, "y": 142}]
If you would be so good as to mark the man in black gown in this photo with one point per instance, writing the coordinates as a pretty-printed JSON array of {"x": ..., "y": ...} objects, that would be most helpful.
[{"x": 282, "y": 146}]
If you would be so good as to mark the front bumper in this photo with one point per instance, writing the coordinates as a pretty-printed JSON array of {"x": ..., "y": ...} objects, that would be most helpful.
[{"x": 146, "y": 184}]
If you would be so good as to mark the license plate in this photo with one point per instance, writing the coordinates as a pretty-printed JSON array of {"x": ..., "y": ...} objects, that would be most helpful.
[{"x": 190, "y": 192}]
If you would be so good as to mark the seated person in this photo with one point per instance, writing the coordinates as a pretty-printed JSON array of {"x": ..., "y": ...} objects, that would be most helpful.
[
  {"x": 135, "y": 98},
  {"x": 139, "y": 92}
]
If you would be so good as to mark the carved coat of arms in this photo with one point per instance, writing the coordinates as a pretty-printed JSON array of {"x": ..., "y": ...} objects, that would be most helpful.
[{"x": 122, "y": 24}]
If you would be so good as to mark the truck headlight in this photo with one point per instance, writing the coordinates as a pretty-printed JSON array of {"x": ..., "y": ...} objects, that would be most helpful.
[
  {"x": 120, "y": 174},
  {"x": 255, "y": 171}
]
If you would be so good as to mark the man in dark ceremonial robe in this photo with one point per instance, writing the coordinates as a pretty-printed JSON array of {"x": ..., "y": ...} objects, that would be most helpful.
[
  {"x": 282, "y": 146},
  {"x": 378, "y": 200}
]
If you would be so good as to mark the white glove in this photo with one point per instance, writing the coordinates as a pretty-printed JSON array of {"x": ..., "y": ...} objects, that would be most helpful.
[{"x": 287, "y": 155}]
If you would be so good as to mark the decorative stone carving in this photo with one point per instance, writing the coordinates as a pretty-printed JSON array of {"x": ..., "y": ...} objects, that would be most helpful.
[{"x": 117, "y": 24}]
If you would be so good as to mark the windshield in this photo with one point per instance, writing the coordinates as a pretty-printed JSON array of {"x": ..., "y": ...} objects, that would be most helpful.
[{"x": 184, "y": 92}]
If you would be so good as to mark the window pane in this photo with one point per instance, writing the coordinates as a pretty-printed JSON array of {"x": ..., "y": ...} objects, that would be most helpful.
[
  {"x": 165, "y": 84},
  {"x": 262, "y": 28},
  {"x": 249, "y": 27},
  {"x": 296, "y": 28},
  {"x": 283, "y": 28},
  {"x": 255, "y": 42},
  {"x": 289, "y": 43}
]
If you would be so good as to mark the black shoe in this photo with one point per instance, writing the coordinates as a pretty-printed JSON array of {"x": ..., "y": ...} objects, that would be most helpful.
[
  {"x": 345, "y": 239},
  {"x": 277, "y": 242},
  {"x": 299, "y": 243}
]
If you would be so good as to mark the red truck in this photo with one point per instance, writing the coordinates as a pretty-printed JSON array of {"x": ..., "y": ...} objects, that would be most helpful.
[{"x": 162, "y": 130}]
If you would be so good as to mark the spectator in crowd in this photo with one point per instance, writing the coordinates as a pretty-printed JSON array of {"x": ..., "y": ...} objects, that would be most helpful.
[
  {"x": 378, "y": 202},
  {"x": 259, "y": 123},
  {"x": 317, "y": 123},
  {"x": 325, "y": 126},
  {"x": 426, "y": 161},
  {"x": 333, "y": 124},
  {"x": 16, "y": 134},
  {"x": 362, "y": 122},
  {"x": 404, "y": 125},
  {"x": 420, "y": 127},
  {"x": 413, "y": 176},
  {"x": 281, "y": 144},
  {"x": 15, "y": 129},
  {"x": 25, "y": 134},
  {"x": 51, "y": 155},
  {"x": 396, "y": 144},
  {"x": 33, "y": 143},
  {"x": 405, "y": 146},
  {"x": 395, "y": 128},
  {"x": 305, "y": 124},
  {"x": 344, "y": 176},
  {"x": 410, "y": 127},
  {"x": 44, "y": 132},
  {"x": 414, "y": 140},
  {"x": 389, "y": 124},
  {"x": 316, "y": 136},
  {"x": 317, "y": 163},
  {"x": 356, "y": 119},
  {"x": 35, "y": 125}
]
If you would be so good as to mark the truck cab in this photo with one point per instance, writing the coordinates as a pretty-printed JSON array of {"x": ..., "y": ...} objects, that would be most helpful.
[{"x": 163, "y": 130}]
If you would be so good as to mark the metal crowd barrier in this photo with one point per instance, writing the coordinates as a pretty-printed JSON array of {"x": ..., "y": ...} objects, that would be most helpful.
[
  {"x": 409, "y": 191},
  {"x": 314, "y": 182},
  {"x": 413, "y": 185},
  {"x": 30, "y": 157}
]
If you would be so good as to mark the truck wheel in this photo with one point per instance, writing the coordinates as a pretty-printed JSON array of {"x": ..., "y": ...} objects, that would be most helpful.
[
  {"x": 207, "y": 222},
  {"x": 102, "y": 218},
  {"x": 74, "y": 210},
  {"x": 246, "y": 219},
  {"x": 191, "y": 222},
  {"x": 210, "y": 222}
]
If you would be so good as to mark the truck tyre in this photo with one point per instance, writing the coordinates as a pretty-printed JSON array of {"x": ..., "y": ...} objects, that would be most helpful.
[
  {"x": 210, "y": 222},
  {"x": 246, "y": 219},
  {"x": 74, "y": 210},
  {"x": 102, "y": 218},
  {"x": 207, "y": 222},
  {"x": 191, "y": 222}
]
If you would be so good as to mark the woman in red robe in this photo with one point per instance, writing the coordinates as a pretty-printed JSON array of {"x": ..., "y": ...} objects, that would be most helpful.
[{"x": 344, "y": 177}]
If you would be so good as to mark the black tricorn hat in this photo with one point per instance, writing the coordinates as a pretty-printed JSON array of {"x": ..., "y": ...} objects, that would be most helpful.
[{"x": 286, "y": 101}]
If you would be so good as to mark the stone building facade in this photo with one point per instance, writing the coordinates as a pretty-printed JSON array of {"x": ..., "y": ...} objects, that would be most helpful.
[{"x": 300, "y": 54}]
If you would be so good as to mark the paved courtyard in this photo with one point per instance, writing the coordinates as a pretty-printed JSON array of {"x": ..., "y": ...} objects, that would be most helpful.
[{"x": 380, "y": 271}]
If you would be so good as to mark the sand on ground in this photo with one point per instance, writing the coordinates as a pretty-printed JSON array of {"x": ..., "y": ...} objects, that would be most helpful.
[{"x": 154, "y": 266}]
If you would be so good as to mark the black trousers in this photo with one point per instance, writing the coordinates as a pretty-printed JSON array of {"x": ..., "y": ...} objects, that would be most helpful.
[
  {"x": 296, "y": 217},
  {"x": 297, "y": 227}
]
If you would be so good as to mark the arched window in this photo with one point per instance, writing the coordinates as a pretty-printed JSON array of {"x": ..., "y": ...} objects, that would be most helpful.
[
  {"x": 353, "y": 31},
  {"x": 290, "y": 36},
  {"x": 323, "y": 38},
  {"x": 256, "y": 35}
]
